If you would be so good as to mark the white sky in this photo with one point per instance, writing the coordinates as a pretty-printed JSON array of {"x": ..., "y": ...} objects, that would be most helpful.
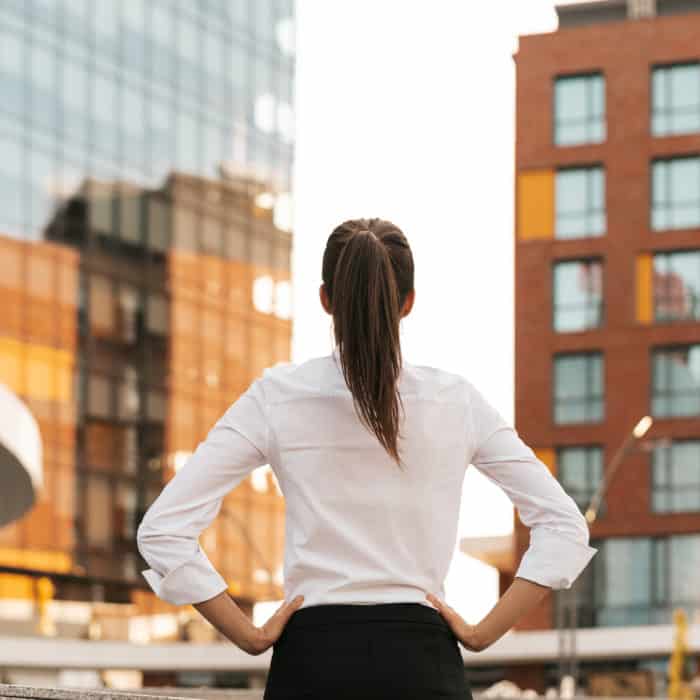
[{"x": 405, "y": 110}]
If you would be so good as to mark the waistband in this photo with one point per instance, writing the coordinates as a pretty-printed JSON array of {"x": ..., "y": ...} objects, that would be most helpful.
[{"x": 335, "y": 613}]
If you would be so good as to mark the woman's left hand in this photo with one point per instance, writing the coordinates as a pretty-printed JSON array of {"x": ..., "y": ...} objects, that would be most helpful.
[{"x": 264, "y": 637}]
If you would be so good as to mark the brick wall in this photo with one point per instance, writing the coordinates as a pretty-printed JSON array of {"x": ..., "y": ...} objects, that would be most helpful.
[{"x": 624, "y": 52}]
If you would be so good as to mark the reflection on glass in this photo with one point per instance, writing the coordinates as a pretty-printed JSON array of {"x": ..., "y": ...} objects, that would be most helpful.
[
  {"x": 675, "y": 193},
  {"x": 676, "y": 477},
  {"x": 578, "y": 295},
  {"x": 263, "y": 292},
  {"x": 283, "y": 300},
  {"x": 677, "y": 285},
  {"x": 640, "y": 580},
  {"x": 624, "y": 581},
  {"x": 676, "y": 381},
  {"x": 128, "y": 137},
  {"x": 579, "y": 110},
  {"x": 578, "y": 387},
  {"x": 675, "y": 99},
  {"x": 99, "y": 523},
  {"x": 580, "y": 202},
  {"x": 580, "y": 470}
]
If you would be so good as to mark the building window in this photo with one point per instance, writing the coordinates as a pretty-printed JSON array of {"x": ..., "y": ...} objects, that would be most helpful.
[
  {"x": 578, "y": 295},
  {"x": 580, "y": 202},
  {"x": 579, "y": 109},
  {"x": 676, "y": 381},
  {"x": 675, "y": 193},
  {"x": 675, "y": 99},
  {"x": 676, "y": 477},
  {"x": 677, "y": 286},
  {"x": 578, "y": 387},
  {"x": 640, "y": 581},
  {"x": 580, "y": 471}
]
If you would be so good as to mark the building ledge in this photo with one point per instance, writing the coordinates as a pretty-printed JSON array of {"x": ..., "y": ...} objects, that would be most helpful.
[
  {"x": 514, "y": 647},
  {"x": 497, "y": 551}
]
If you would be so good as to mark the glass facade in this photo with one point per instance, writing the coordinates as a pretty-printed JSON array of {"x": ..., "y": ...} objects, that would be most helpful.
[
  {"x": 677, "y": 286},
  {"x": 580, "y": 471},
  {"x": 579, "y": 387},
  {"x": 675, "y": 381},
  {"x": 640, "y": 581},
  {"x": 146, "y": 181},
  {"x": 580, "y": 202},
  {"x": 579, "y": 109},
  {"x": 675, "y": 99},
  {"x": 676, "y": 477},
  {"x": 675, "y": 189},
  {"x": 578, "y": 295}
]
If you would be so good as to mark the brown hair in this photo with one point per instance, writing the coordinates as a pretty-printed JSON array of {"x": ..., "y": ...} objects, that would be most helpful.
[{"x": 367, "y": 274}]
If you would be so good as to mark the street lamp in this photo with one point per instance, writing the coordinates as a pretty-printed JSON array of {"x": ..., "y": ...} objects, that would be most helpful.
[
  {"x": 567, "y": 603},
  {"x": 638, "y": 432}
]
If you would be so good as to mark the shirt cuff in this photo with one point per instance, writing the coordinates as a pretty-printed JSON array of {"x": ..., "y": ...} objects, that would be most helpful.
[
  {"x": 554, "y": 559},
  {"x": 193, "y": 581}
]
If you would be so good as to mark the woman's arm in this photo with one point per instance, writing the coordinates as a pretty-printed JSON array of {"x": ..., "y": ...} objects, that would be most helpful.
[
  {"x": 232, "y": 622},
  {"x": 520, "y": 597},
  {"x": 168, "y": 536},
  {"x": 225, "y": 616},
  {"x": 559, "y": 547}
]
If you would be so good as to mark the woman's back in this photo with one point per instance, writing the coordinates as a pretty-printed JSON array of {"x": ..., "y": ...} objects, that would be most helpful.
[
  {"x": 370, "y": 452},
  {"x": 359, "y": 529}
]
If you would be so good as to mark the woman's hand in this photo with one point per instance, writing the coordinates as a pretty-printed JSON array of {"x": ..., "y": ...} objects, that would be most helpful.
[
  {"x": 469, "y": 635},
  {"x": 262, "y": 638}
]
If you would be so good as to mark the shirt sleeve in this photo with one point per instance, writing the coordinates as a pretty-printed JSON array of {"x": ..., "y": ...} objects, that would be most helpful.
[
  {"x": 559, "y": 547},
  {"x": 167, "y": 536}
]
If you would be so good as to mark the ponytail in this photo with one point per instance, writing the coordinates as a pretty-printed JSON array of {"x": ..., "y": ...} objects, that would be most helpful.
[{"x": 367, "y": 272}]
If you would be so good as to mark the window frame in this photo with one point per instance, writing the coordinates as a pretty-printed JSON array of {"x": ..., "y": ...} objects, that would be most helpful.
[
  {"x": 667, "y": 254},
  {"x": 588, "y": 447},
  {"x": 652, "y": 481},
  {"x": 592, "y": 258},
  {"x": 653, "y": 349},
  {"x": 553, "y": 399},
  {"x": 668, "y": 66},
  {"x": 587, "y": 168},
  {"x": 591, "y": 73},
  {"x": 691, "y": 155}
]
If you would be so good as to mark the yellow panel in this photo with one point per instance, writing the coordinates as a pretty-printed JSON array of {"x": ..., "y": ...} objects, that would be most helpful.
[
  {"x": 546, "y": 455},
  {"x": 16, "y": 586},
  {"x": 36, "y": 371},
  {"x": 44, "y": 560},
  {"x": 11, "y": 366},
  {"x": 644, "y": 288},
  {"x": 536, "y": 204}
]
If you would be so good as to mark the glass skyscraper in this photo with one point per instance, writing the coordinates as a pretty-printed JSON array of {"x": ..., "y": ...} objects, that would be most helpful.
[{"x": 146, "y": 151}]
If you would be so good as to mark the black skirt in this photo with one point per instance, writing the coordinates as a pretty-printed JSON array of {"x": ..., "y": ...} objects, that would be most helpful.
[{"x": 382, "y": 651}]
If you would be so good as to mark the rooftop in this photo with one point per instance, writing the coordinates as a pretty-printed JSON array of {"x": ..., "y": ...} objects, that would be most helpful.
[{"x": 576, "y": 14}]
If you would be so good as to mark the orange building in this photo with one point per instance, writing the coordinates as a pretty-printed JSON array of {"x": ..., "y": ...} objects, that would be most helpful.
[{"x": 127, "y": 361}]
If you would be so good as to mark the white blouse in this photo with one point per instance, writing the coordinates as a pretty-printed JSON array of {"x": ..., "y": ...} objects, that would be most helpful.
[{"x": 358, "y": 529}]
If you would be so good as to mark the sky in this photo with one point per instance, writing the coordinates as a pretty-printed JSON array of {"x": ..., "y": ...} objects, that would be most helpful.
[{"x": 405, "y": 110}]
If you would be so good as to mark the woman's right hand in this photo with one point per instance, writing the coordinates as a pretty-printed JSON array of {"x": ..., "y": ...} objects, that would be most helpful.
[{"x": 469, "y": 635}]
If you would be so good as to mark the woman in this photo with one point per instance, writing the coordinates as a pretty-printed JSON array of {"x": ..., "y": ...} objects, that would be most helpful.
[{"x": 370, "y": 453}]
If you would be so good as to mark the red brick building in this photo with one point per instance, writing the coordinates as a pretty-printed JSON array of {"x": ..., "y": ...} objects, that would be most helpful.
[{"x": 607, "y": 313}]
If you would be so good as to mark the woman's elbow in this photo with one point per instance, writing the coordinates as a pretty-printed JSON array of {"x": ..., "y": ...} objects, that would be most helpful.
[
  {"x": 581, "y": 524},
  {"x": 145, "y": 538}
]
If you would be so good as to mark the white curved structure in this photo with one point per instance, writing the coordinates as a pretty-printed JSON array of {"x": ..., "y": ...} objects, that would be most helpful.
[{"x": 21, "y": 474}]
